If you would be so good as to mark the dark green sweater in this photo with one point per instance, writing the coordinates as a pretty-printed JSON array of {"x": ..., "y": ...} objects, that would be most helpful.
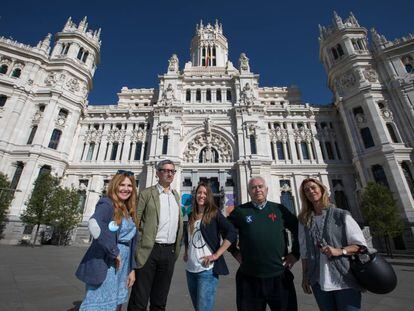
[{"x": 262, "y": 237}]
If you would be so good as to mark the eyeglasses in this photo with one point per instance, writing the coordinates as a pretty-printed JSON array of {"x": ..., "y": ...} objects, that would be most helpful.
[
  {"x": 166, "y": 171},
  {"x": 124, "y": 172}
]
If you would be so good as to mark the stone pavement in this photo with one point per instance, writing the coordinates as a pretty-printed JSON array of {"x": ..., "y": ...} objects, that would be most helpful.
[{"x": 42, "y": 278}]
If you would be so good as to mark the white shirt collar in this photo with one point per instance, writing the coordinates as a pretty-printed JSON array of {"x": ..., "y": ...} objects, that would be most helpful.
[{"x": 161, "y": 189}]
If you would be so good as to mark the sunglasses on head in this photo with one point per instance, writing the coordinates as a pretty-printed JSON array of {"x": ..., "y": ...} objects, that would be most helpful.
[{"x": 124, "y": 172}]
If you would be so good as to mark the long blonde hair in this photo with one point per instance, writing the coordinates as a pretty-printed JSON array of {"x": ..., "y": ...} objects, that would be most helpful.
[
  {"x": 210, "y": 208},
  {"x": 122, "y": 208},
  {"x": 307, "y": 206}
]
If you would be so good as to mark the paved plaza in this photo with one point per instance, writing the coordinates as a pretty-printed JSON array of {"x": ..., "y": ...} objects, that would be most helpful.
[{"x": 42, "y": 278}]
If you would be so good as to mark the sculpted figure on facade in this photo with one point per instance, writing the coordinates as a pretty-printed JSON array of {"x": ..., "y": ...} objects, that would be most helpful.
[
  {"x": 116, "y": 135},
  {"x": 173, "y": 64},
  {"x": 244, "y": 63},
  {"x": 370, "y": 74},
  {"x": 168, "y": 96},
  {"x": 247, "y": 96}
]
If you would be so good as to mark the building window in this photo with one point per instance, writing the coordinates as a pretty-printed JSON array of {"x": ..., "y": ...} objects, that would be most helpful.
[
  {"x": 337, "y": 151},
  {"x": 339, "y": 49},
  {"x": 272, "y": 146},
  {"x": 55, "y": 138},
  {"x": 408, "y": 64},
  {"x": 114, "y": 151},
  {"x": 379, "y": 175},
  {"x": 253, "y": 147},
  {"x": 138, "y": 149},
  {"x": 408, "y": 176},
  {"x": 16, "y": 73},
  {"x": 286, "y": 197},
  {"x": 17, "y": 175},
  {"x": 334, "y": 53},
  {"x": 32, "y": 134},
  {"x": 187, "y": 182},
  {"x": 188, "y": 96},
  {"x": 391, "y": 131},
  {"x": 164, "y": 144},
  {"x": 146, "y": 155},
  {"x": 65, "y": 48},
  {"x": 367, "y": 137},
  {"x": 305, "y": 151},
  {"x": 90, "y": 151},
  {"x": 85, "y": 57},
  {"x": 329, "y": 150},
  {"x": 45, "y": 169},
  {"x": 3, "y": 99},
  {"x": 80, "y": 53},
  {"x": 198, "y": 95},
  {"x": 228, "y": 95},
  {"x": 3, "y": 69},
  {"x": 218, "y": 95},
  {"x": 208, "y": 95},
  {"x": 208, "y": 155}
]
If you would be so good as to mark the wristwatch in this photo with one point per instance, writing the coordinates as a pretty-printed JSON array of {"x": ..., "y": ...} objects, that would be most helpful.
[{"x": 344, "y": 252}]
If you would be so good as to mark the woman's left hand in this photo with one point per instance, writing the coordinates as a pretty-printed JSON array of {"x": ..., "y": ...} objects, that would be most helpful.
[
  {"x": 331, "y": 251},
  {"x": 131, "y": 278},
  {"x": 207, "y": 260}
]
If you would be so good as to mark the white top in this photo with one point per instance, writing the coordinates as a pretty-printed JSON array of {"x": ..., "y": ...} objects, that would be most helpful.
[
  {"x": 168, "y": 221},
  {"x": 197, "y": 248},
  {"x": 354, "y": 236}
]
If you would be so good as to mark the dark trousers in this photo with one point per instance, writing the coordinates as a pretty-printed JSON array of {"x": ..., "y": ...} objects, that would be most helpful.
[
  {"x": 277, "y": 292},
  {"x": 153, "y": 280}
]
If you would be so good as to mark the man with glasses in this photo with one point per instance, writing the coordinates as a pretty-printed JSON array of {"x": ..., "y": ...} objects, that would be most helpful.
[
  {"x": 161, "y": 227},
  {"x": 264, "y": 276}
]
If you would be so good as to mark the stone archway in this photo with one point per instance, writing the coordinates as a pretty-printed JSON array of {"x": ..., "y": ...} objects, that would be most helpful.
[{"x": 201, "y": 142}]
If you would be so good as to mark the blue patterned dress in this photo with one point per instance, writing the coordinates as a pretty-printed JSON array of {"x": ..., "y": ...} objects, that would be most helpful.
[{"x": 113, "y": 291}]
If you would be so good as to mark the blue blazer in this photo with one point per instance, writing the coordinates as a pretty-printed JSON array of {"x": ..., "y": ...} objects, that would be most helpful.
[
  {"x": 218, "y": 227},
  {"x": 102, "y": 252}
]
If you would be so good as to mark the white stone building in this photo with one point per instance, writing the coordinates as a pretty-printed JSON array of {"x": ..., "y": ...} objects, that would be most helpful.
[{"x": 213, "y": 119}]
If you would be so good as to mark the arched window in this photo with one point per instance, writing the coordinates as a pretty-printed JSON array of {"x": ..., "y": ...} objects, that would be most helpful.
[
  {"x": 138, "y": 150},
  {"x": 253, "y": 147},
  {"x": 198, "y": 95},
  {"x": 208, "y": 95},
  {"x": 408, "y": 176},
  {"x": 379, "y": 175},
  {"x": 393, "y": 136},
  {"x": 17, "y": 175},
  {"x": 408, "y": 64},
  {"x": 90, "y": 151},
  {"x": 228, "y": 95},
  {"x": 4, "y": 68},
  {"x": 218, "y": 95},
  {"x": 55, "y": 138},
  {"x": 188, "y": 96},
  {"x": 280, "y": 153},
  {"x": 272, "y": 146},
  {"x": 32, "y": 134},
  {"x": 16, "y": 73},
  {"x": 208, "y": 155},
  {"x": 339, "y": 49},
  {"x": 114, "y": 151},
  {"x": 286, "y": 197},
  {"x": 80, "y": 53},
  {"x": 329, "y": 150},
  {"x": 3, "y": 99},
  {"x": 305, "y": 151},
  {"x": 367, "y": 137},
  {"x": 334, "y": 53},
  {"x": 85, "y": 56},
  {"x": 165, "y": 144},
  {"x": 45, "y": 169}
]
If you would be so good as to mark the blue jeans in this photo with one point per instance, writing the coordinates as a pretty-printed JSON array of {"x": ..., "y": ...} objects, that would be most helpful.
[
  {"x": 202, "y": 287},
  {"x": 337, "y": 300}
]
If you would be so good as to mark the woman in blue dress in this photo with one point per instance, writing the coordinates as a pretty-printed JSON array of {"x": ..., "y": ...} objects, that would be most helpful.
[{"x": 108, "y": 265}]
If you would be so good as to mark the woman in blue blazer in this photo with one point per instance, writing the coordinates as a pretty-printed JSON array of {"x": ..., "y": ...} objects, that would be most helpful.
[
  {"x": 203, "y": 250},
  {"x": 108, "y": 265}
]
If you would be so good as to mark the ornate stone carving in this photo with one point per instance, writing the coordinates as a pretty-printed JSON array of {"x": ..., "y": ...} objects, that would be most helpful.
[
  {"x": 250, "y": 129},
  {"x": 138, "y": 135},
  {"x": 37, "y": 117},
  {"x": 200, "y": 142},
  {"x": 302, "y": 135},
  {"x": 168, "y": 97},
  {"x": 51, "y": 79},
  {"x": 347, "y": 80},
  {"x": 244, "y": 63},
  {"x": 73, "y": 85},
  {"x": 386, "y": 114},
  {"x": 116, "y": 135},
  {"x": 163, "y": 130},
  {"x": 93, "y": 135},
  {"x": 173, "y": 64},
  {"x": 279, "y": 134},
  {"x": 360, "y": 118},
  {"x": 370, "y": 74},
  {"x": 247, "y": 97},
  {"x": 326, "y": 133}
]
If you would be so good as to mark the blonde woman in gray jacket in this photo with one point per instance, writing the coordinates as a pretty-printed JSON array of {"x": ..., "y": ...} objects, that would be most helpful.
[{"x": 327, "y": 236}]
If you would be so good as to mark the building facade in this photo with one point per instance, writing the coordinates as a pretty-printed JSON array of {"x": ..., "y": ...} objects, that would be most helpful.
[{"x": 213, "y": 119}]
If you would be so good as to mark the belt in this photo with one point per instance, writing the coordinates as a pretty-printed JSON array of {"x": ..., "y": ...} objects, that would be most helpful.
[
  {"x": 127, "y": 243},
  {"x": 164, "y": 244}
]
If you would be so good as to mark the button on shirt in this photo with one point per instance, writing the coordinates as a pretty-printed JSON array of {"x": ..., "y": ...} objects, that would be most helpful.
[{"x": 168, "y": 221}]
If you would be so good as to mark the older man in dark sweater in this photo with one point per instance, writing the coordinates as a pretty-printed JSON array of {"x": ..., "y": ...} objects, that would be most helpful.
[{"x": 264, "y": 276}]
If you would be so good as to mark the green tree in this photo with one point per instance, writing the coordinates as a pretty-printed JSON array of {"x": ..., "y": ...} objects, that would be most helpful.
[
  {"x": 6, "y": 196},
  {"x": 65, "y": 214},
  {"x": 39, "y": 206},
  {"x": 380, "y": 212}
]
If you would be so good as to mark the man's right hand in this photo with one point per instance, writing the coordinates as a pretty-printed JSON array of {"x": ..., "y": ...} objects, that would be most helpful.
[{"x": 118, "y": 262}]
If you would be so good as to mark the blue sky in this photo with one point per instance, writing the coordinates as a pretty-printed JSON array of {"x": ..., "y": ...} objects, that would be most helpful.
[{"x": 138, "y": 37}]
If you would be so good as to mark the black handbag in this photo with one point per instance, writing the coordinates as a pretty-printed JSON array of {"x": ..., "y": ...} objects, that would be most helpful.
[{"x": 373, "y": 272}]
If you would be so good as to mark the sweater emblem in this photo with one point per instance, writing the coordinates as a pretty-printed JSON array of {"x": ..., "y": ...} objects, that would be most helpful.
[
  {"x": 249, "y": 219},
  {"x": 272, "y": 216}
]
